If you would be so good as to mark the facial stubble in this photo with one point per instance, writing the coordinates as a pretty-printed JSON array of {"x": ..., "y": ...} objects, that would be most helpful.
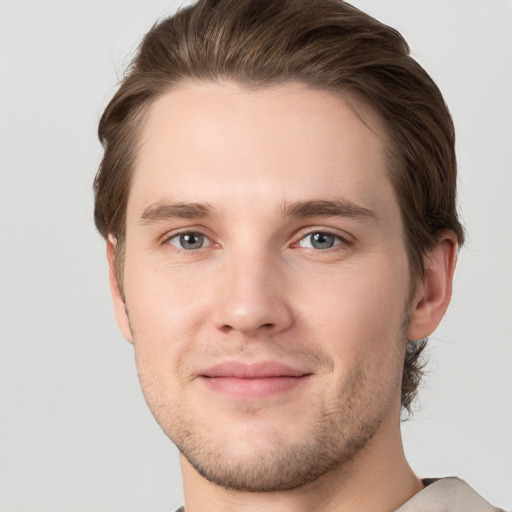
[{"x": 335, "y": 433}]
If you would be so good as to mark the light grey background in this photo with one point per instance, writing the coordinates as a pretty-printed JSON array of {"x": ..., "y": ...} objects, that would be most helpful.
[{"x": 75, "y": 434}]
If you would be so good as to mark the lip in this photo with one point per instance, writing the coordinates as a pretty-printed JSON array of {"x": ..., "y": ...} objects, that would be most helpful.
[{"x": 252, "y": 381}]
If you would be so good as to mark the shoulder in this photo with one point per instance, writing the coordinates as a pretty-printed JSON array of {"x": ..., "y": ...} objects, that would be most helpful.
[{"x": 447, "y": 495}]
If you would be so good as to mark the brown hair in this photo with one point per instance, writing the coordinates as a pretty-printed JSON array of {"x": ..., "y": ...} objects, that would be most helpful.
[{"x": 327, "y": 44}]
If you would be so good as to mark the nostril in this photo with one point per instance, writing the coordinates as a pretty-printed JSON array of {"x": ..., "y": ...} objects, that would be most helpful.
[{"x": 246, "y": 313}]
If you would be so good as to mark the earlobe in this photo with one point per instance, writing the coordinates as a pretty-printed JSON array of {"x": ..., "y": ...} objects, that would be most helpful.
[
  {"x": 433, "y": 293},
  {"x": 116, "y": 290}
]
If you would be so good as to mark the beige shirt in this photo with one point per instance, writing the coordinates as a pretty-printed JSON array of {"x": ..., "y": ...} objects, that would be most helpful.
[{"x": 447, "y": 495}]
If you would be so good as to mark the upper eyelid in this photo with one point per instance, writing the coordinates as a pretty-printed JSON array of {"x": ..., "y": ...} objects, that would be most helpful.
[
  {"x": 189, "y": 253},
  {"x": 181, "y": 231},
  {"x": 343, "y": 235},
  {"x": 182, "y": 249},
  {"x": 297, "y": 237}
]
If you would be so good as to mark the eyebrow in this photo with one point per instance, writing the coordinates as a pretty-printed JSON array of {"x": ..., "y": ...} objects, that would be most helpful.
[
  {"x": 164, "y": 211},
  {"x": 333, "y": 208},
  {"x": 298, "y": 209}
]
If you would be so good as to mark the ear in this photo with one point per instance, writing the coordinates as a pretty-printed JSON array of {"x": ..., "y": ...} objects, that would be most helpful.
[
  {"x": 434, "y": 291},
  {"x": 117, "y": 295}
]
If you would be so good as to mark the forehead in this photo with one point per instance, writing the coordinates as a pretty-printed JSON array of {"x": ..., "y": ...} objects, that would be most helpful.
[{"x": 224, "y": 143}]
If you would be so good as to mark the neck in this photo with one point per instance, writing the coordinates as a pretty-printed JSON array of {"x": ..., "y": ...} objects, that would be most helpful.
[{"x": 378, "y": 479}]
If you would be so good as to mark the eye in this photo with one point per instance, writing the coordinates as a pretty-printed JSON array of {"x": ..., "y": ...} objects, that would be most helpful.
[
  {"x": 320, "y": 240},
  {"x": 189, "y": 241}
]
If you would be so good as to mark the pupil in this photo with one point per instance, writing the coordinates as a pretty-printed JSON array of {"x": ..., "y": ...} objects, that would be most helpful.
[
  {"x": 322, "y": 240},
  {"x": 191, "y": 241}
]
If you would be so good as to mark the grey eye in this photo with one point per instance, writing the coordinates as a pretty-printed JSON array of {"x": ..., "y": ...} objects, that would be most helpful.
[
  {"x": 320, "y": 240},
  {"x": 189, "y": 241}
]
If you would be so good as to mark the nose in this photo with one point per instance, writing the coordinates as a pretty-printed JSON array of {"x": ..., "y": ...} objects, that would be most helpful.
[{"x": 252, "y": 296}]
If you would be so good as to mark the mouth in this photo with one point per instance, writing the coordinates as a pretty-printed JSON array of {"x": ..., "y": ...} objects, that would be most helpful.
[{"x": 252, "y": 381}]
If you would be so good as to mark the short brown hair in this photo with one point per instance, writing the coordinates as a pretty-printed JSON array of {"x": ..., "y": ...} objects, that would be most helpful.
[{"x": 326, "y": 44}]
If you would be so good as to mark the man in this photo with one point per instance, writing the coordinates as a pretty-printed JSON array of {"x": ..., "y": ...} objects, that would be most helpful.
[{"x": 278, "y": 198}]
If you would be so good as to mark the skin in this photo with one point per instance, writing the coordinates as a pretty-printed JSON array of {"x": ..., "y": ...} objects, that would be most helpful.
[{"x": 256, "y": 169}]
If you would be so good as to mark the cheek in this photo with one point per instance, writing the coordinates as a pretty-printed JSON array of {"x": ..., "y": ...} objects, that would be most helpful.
[
  {"x": 358, "y": 312},
  {"x": 161, "y": 295},
  {"x": 165, "y": 319},
  {"x": 166, "y": 311}
]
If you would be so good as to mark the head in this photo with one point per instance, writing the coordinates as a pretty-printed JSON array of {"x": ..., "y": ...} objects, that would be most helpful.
[{"x": 319, "y": 48}]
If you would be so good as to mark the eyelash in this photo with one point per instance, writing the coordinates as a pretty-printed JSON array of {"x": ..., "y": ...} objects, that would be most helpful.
[
  {"x": 343, "y": 240},
  {"x": 168, "y": 238}
]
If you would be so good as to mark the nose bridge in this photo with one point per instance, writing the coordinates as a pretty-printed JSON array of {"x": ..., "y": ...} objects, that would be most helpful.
[{"x": 251, "y": 294}]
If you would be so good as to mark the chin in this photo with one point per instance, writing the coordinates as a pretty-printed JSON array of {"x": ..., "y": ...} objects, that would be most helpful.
[{"x": 265, "y": 456}]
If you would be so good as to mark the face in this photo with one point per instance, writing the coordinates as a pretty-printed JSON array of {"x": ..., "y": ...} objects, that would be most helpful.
[{"x": 266, "y": 281}]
